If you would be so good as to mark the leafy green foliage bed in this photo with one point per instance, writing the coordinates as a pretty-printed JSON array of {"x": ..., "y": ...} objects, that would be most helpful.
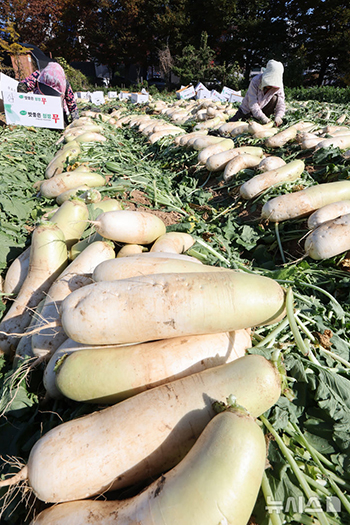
[{"x": 308, "y": 430}]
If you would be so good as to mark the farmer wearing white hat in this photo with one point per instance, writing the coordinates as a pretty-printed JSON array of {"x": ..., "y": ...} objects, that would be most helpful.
[{"x": 264, "y": 97}]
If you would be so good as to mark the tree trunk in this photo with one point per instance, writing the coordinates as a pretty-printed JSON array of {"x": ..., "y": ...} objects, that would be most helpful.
[{"x": 323, "y": 70}]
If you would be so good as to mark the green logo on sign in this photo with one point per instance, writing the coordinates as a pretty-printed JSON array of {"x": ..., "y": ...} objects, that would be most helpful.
[
  {"x": 23, "y": 112},
  {"x": 20, "y": 96}
]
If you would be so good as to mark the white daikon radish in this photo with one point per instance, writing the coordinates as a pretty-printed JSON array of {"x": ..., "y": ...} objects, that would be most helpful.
[
  {"x": 57, "y": 184},
  {"x": 48, "y": 258},
  {"x": 173, "y": 242},
  {"x": 126, "y": 267},
  {"x": 109, "y": 374},
  {"x": 340, "y": 141},
  {"x": 228, "y": 127},
  {"x": 129, "y": 227},
  {"x": 327, "y": 213},
  {"x": 239, "y": 130},
  {"x": 131, "y": 249},
  {"x": 280, "y": 139},
  {"x": 223, "y": 145},
  {"x": 76, "y": 275},
  {"x": 167, "y": 132},
  {"x": 182, "y": 140},
  {"x": 216, "y": 483},
  {"x": 306, "y": 201},
  {"x": 239, "y": 163},
  {"x": 270, "y": 163},
  {"x": 16, "y": 273},
  {"x": 218, "y": 161},
  {"x": 289, "y": 172},
  {"x": 145, "y": 435},
  {"x": 200, "y": 143},
  {"x": 329, "y": 239},
  {"x": 170, "y": 305}
]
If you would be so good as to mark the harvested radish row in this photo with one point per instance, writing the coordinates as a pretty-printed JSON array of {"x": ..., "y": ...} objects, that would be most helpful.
[
  {"x": 73, "y": 133},
  {"x": 170, "y": 305},
  {"x": 217, "y": 482},
  {"x": 130, "y": 227},
  {"x": 211, "y": 123},
  {"x": 239, "y": 163},
  {"x": 108, "y": 449},
  {"x": 329, "y": 239},
  {"x": 327, "y": 213},
  {"x": 304, "y": 125},
  {"x": 309, "y": 142},
  {"x": 173, "y": 242},
  {"x": 109, "y": 374},
  {"x": 48, "y": 258},
  {"x": 263, "y": 181},
  {"x": 148, "y": 127},
  {"x": 77, "y": 274},
  {"x": 304, "y": 202}
]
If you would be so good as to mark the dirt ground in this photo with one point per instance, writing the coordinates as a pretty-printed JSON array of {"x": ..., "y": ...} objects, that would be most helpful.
[{"x": 138, "y": 200}]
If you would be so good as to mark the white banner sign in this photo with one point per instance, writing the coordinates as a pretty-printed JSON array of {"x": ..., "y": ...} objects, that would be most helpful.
[
  {"x": 28, "y": 109},
  {"x": 7, "y": 84}
]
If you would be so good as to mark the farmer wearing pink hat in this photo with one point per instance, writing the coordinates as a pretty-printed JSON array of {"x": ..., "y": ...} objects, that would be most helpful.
[
  {"x": 264, "y": 97},
  {"x": 51, "y": 81}
]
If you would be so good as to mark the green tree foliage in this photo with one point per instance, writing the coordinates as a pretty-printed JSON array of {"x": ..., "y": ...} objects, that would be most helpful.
[
  {"x": 322, "y": 30},
  {"x": 35, "y": 22},
  {"x": 74, "y": 34},
  {"x": 9, "y": 44},
  {"x": 303, "y": 34},
  {"x": 195, "y": 65},
  {"x": 199, "y": 65}
]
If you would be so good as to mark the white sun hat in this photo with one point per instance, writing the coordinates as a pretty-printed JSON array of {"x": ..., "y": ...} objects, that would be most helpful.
[{"x": 272, "y": 74}]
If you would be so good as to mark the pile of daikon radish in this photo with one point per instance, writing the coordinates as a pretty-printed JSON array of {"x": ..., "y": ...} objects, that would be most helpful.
[
  {"x": 125, "y": 318},
  {"x": 329, "y": 235}
]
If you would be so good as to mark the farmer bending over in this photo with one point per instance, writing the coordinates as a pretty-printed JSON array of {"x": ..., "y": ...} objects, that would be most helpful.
[
  {"x": 51, "y": 81},
  {"x": 265, "y": 96}
]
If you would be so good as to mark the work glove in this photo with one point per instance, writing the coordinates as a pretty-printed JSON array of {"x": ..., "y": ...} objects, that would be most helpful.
[
  {"x": 74, "y": 115},
  {"x": 278, "y": 121},
  {"x": 22, "y": 87}
]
